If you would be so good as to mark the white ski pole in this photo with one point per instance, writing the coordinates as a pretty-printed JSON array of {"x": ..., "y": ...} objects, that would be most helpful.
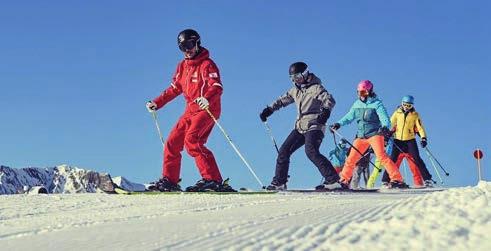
[
  {"x": 434, "y": 167},
  {"x": 154, "y": 115},
  {"x": 234, "y": 147},
  {"x": 438, "y": 162},
  {"x": 271, "y": 136}
]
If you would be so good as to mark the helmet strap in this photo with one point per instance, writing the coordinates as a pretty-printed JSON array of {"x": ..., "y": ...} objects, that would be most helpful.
[
  {"x": 305, "y": 74},
  {"x": 196, "y": 49}
]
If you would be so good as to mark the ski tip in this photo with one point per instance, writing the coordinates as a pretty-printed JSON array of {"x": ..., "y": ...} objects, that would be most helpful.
[{"x": 118, "y": 190}]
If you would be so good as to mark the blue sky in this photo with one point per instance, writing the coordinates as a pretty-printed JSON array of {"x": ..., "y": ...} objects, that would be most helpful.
[{"x": 75, "y": 76}]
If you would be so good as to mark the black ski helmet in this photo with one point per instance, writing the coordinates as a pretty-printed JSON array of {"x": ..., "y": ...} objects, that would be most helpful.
[
  {"x": 297, "y": 67},
  {"x": 188, "y": 34}
]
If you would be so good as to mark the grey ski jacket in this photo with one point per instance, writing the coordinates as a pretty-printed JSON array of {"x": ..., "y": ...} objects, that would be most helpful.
[{"x": 311, "y": 99}]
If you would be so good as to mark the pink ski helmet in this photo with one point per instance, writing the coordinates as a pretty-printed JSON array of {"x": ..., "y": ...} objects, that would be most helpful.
[{"x": 365, "y": 85}]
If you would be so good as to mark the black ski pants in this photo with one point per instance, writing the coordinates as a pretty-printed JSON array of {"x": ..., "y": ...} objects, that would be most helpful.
[
  {"x": 411, "y": 147},
  {"x": 312, "y": 141}
]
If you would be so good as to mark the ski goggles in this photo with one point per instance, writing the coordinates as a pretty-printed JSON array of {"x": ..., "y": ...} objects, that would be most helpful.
[
  {"x": 299, "y": 77},
  {"x": 187, "y": 45},
  {"x": 407, "y": 106}
]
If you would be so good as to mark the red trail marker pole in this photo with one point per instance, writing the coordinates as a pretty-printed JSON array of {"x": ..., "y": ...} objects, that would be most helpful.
[{"x": 478, "y": 154}]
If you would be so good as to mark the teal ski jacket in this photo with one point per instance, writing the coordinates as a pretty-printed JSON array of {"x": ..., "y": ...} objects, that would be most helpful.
[{"x": 370, "y": 116}]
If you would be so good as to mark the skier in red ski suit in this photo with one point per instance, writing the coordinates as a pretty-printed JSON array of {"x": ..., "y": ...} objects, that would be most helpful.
[{"x": 197, "y": 77}]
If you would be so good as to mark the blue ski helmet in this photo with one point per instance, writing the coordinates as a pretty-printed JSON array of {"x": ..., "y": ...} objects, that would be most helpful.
[{"x": 408, "y": 99}]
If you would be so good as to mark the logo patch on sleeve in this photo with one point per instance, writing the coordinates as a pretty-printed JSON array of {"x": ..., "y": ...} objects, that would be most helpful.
[{"x": 213, "y": 75}]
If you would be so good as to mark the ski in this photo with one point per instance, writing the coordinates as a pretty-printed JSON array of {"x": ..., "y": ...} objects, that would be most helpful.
[
  {"x": 250, "y": 192},
  {"x": 413, "y": 190},
  {"x": 373, "y": 190},
  {"x": 150, "y": 192},
  {"x": 369, "y": 190}
]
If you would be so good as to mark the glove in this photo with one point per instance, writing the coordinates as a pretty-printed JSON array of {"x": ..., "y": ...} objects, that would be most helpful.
[
  {"x": 334, "y": 127},
  {"x": 424, "y": 142},
  {"x": 384, "y": 131},
  {"x": 323, "y": 116},
  {"x": 151, "y": 106},
  {"x": 266, "y": 113},
  {"x": 203, "y": 103}
]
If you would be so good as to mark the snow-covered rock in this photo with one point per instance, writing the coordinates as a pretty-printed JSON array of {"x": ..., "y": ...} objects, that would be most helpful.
[
  {"x": 128, "y": 185},
  {"x": 59, "y": 179}
]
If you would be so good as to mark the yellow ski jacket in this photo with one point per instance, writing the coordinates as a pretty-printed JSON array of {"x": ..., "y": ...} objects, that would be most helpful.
[{"x": 406, "y": 124}]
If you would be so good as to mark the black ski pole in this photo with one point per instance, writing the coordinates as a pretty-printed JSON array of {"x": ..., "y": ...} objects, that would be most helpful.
[
  {"x": 433, "y": 157},
  {"x": 434, "y": 167},
  {"x": 401, "y": 151},
  {"x": 334, "y": 138},
  {"x": 356, "y": 149}
]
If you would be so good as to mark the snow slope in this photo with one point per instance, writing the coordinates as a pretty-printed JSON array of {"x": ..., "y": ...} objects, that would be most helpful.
[{"x": 455, "y": 219}]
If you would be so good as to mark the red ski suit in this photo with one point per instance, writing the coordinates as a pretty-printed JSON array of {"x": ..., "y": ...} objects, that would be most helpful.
[{"x": 197, "y": 77}]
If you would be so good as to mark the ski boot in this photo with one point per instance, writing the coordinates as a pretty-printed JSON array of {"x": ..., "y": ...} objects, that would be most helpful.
[
  {"x": 336, "y": 185},
  {"x": 429, "y": 183},
  {"x": 276, "y": 186},
  {"x": 385, "y": 185},
  {"x": 164, "y": 185},
  {"x": 225, "y": 187},
  {"x": 398, "y": 184},
  {"x": 204, "y": 185}
]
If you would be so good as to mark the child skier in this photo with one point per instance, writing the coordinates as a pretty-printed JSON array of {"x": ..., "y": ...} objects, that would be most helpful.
[
  {"x": 406, "y": 122},
  {"x": 198, "y": 78},
  {"x": 314, "y": 105},
  {"x": 337, "y": 156},
  {"x": 373, "y": 125}
]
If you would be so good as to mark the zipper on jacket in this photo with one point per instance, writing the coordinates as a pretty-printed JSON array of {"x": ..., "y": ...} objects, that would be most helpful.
[
  {"x": 300, "y": 114},
  {"x": 189, "y": 77},
  {"x": 403, "y": 125},
  {"x": 187, "y": 80},
  {"x": 365, "y": 119}
]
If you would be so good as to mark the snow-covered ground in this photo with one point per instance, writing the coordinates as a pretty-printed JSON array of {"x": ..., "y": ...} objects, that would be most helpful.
[{"x": 455, "y": 219}]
